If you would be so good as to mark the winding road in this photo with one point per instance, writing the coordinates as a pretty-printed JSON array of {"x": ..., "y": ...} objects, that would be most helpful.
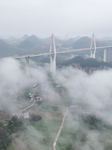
[{"x": 23, "y": 110}]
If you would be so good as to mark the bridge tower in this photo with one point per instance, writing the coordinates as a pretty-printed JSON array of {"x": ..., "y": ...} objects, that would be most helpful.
[
  {"x": 53, "y": 54},
  {"x": 93, "y": 47},
  {"x": 105, "y": 55}
]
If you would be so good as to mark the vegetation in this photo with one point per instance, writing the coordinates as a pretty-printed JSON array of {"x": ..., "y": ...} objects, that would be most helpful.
[
  {"x": 5, "y": 138},
  {"x": 93, "y": 122},
  {"x": 86, "y": 62},
  {"x": 6, "y": 130},
  {"x": 14, "y": 125},
  {"x": 78, "y": 133},
  {"x": 34, "y": 117},
  {"x": 45, "y": 133},
  {"x": 47, "y": 108}
]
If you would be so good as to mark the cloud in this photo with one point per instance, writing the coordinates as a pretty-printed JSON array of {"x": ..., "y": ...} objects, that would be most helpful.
[
  {"x": 94, "y": 91},
  {"x": 91, "y": 90},
  {"x": 14, "y": 81}
]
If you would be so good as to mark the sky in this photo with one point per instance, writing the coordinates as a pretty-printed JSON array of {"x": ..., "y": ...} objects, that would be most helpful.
[{"x": 64, "y": 18}]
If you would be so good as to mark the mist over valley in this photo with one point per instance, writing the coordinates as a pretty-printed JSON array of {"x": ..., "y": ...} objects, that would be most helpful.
[{"x": 87, "y": 97}]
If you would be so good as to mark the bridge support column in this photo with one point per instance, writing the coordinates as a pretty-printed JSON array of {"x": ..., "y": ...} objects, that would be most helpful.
[
  {"x": 105, "y": 55},
  {"x": 27, "y": 65},
  {"x": 53, "y": 63},
  {"x": 52, "y": 55},
  {"x": 93, "y": 49},
  {"x": 93, "y": 54}
]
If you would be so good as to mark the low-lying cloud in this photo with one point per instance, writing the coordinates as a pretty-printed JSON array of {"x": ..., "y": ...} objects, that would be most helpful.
[{"x": 93, "y": 91}]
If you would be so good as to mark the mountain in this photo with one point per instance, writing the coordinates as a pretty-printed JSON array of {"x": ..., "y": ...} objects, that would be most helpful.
[
  {"x": 30, "y": 42},
  {"x": 26, "y": 44},
  {"x": 25, "y": 36},
  {"x": 72, "y": 40},
  {"x": 83, "y": 42},
  {"x": 12, "y": 41},
  {"x": 90, "y": 62},
  {"x": 5, "y": 49}
]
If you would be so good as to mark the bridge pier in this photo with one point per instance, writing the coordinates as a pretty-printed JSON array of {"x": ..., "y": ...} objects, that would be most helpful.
[
  {"x": 27, "y": 65},
  {"x": 105, "y": 55},
  {"x": 93, "y": 50},
  {"x": 93, "y": 54},
  {"x": 52, "y": 55},
  {"x": 53, "y": 63}
]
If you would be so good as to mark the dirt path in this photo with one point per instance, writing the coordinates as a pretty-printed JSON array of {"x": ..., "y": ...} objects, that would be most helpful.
[{"x": 55, "y": 141}]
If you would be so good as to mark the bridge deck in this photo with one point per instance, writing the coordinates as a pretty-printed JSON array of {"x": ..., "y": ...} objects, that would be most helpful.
[{"x": 59, "y": 52}]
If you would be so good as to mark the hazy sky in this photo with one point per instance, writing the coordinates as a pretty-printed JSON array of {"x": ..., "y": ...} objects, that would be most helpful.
[{"x": 64, "y": 18}]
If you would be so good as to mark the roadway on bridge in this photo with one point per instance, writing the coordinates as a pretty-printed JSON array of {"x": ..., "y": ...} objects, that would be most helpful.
[{"x": 58, "y": 52}]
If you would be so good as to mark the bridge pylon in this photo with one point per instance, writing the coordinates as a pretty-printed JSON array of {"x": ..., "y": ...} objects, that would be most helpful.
[
  {"x": 93, "y": 47},
  {"x": 52, "y": 54}
]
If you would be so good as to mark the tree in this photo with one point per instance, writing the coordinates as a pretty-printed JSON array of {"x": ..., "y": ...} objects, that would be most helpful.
[
  {"x": 5, "y": 138},
  {"x": 15, "y": 125},
  {"x": 34, "y": 117}
]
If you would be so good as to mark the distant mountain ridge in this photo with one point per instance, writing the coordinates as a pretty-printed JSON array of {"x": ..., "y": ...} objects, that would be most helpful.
[
  {"x": 90, "y": 62},
  {"x": 83, "y": 42},
  {"x": 30, "y": 42},
  {"x": 5, "y": 49},
  {"x": 72, "y": 40}
]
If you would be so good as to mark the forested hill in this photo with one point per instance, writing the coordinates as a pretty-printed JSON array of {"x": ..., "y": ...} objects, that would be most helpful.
[{"x": 90, "y": 62}]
